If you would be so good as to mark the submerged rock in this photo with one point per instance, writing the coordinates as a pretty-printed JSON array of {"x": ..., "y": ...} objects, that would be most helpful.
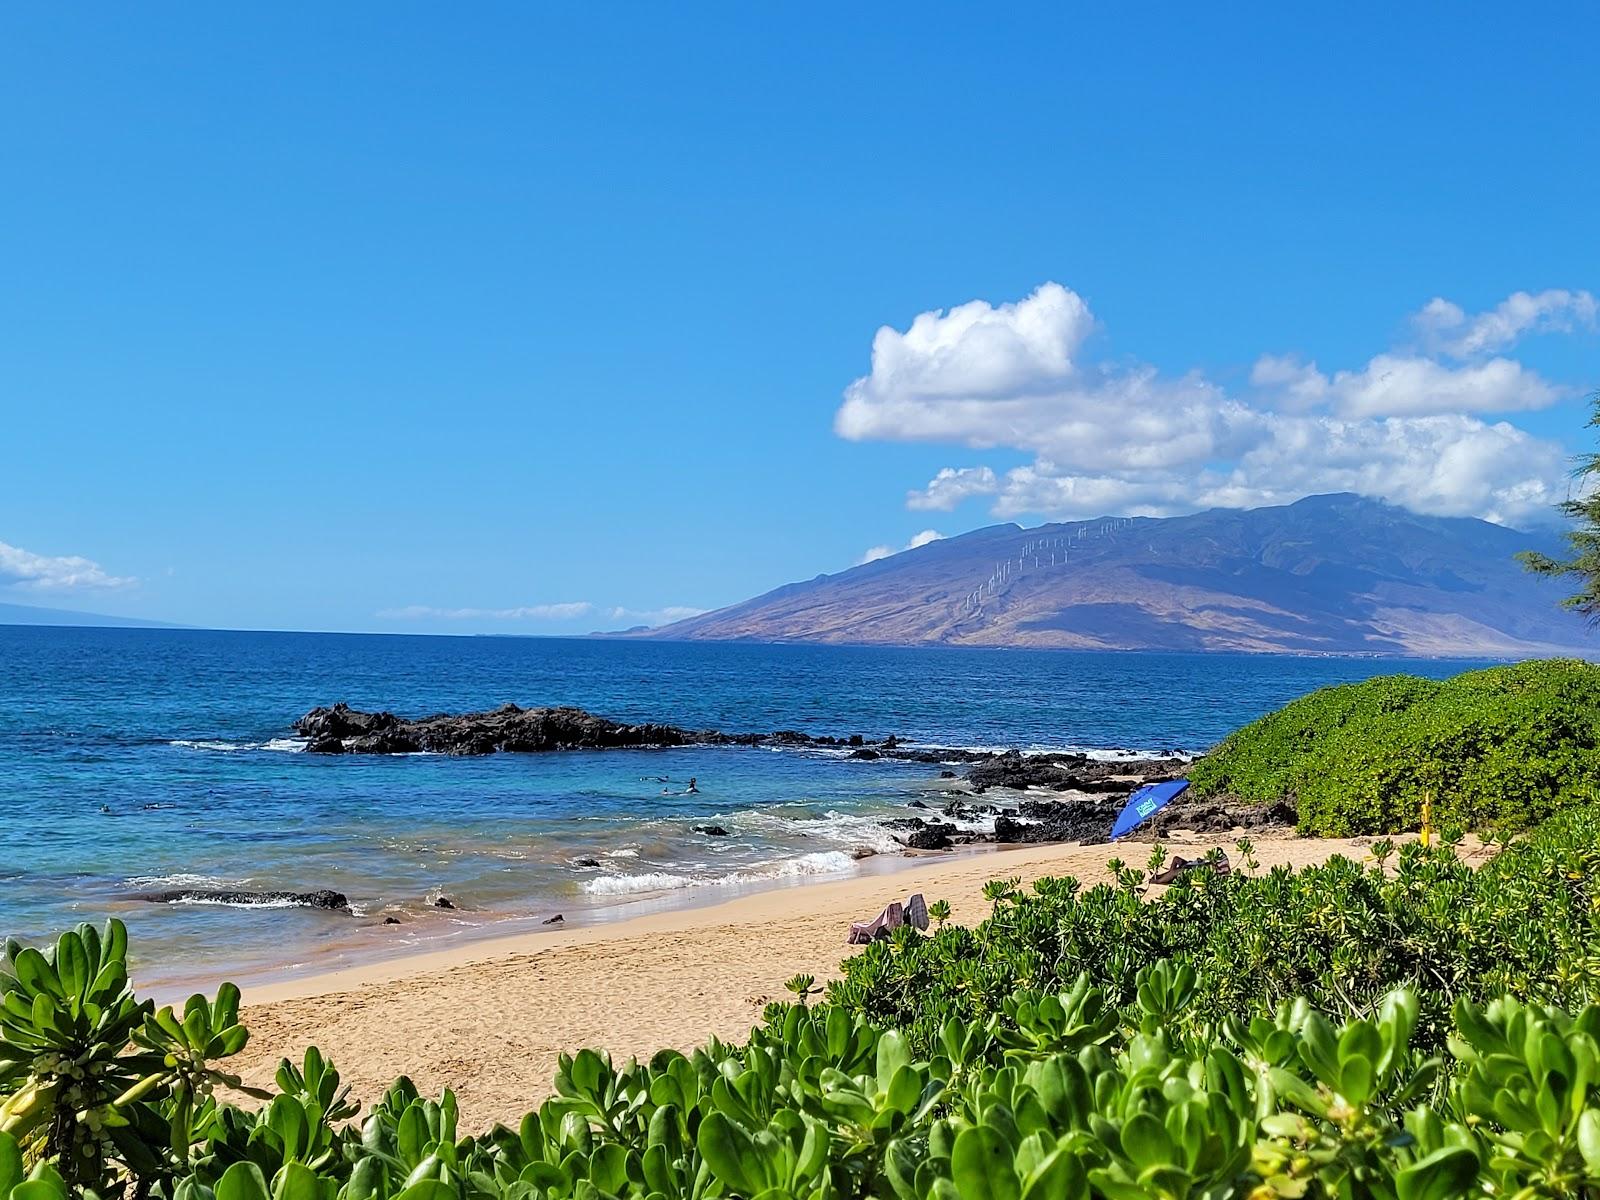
[
  {"x": 711, "y": 830},
  {"x": 325, "y": 898}
]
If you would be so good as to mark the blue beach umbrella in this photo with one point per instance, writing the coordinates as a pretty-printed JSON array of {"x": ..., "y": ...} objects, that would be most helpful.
[{"x": 1146, "y": 803}]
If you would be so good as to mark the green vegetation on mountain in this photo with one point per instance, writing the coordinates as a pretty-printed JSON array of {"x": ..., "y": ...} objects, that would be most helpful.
[{"x": 1501, "y": 748}]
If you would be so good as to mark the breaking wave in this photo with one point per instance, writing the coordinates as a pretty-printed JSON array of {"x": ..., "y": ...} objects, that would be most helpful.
[{"x": 829, "y": 862}]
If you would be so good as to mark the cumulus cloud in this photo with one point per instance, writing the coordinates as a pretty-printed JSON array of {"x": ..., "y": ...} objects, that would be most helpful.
[
  {"x": 24, "y": 569},
  {"x": 1445, "y": 328},
  {"x": 874, "y": 553},
  {"x": 1406, "y": 426},
  {"x": 951, "y": 486}
]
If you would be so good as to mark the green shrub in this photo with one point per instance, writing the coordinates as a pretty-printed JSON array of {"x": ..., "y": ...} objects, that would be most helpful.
[
  {"x": 1065, "y": 1099},
  {"x": 1342, "y": 934},
  {"x": 1498, "y": 748}
]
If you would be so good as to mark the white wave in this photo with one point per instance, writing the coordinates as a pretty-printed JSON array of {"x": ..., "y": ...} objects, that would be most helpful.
[
  {"x": 852, "y": 830},
  {"x": 1096, "y": 753},
  {"x": 625, "y": 852},
  {"x": 208, "y": 902},
  {"x": 828, "y": 862},
  {"x": 217, "y": 746},
  {"x": 182, "y": 879},
  {"x": 649, "y": 881}
]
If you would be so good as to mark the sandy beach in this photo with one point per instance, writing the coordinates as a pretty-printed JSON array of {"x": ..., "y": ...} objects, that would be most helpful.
[{"x": 488, "y": 1019}]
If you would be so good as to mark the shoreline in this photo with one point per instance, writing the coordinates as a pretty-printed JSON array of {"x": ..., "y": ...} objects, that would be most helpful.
[{"x": 488, "y": 1019}]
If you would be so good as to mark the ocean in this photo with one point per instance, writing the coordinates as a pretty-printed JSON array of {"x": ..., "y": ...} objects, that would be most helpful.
[{"x": 136, "y": 760}]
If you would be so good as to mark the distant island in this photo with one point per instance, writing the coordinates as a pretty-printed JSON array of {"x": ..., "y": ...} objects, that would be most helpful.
[
  {"x": 1335, "y": 574},
  {"x": 28, "y": 614}
]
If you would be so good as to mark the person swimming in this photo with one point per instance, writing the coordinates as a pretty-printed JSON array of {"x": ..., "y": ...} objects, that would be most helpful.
[{"x": 691, "y": 789}]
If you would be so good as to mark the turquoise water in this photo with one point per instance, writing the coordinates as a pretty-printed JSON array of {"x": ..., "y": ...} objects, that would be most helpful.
[{"x": 142, "y": 759}]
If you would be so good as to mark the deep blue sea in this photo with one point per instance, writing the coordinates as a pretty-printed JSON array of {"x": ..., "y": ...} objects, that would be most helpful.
[{"x": 133, "y": 760}]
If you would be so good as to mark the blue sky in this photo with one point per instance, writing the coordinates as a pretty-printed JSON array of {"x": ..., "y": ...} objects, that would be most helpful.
[{"x": 544, "y": 320}]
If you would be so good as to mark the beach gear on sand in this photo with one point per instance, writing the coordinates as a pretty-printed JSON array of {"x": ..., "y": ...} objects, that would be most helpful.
[
  {"x": 1178, "y": 866},
  {"x": 1146, "y": 803},
  {"x": 885, "y": 923},
  {"x": 913, "y": 912},
  {"x": 917, "y": 912}
]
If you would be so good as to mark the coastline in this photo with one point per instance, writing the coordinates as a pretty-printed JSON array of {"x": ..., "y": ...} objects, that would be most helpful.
[{"x": 489, "y": 1018}]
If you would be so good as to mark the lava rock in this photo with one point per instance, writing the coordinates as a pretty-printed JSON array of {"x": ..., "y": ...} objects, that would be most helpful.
[
  {"x": 555, "y": 920},
  {"x": 711, "y": 830},
  {"x": 929, "y": 837},
  {"x": 324, "y": 898},
  {"x": 340, "y": 729}
]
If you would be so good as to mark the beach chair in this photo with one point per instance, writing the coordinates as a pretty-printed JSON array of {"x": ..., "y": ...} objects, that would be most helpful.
[
  {"x": 1179, "y": 865},
  {"x": 882, "y": 925}
]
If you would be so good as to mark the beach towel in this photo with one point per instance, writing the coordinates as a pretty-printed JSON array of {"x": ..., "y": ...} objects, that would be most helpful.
[
  {"x": 1179, "y": 865},
  {"x": 917, "y": 912},
  {"x": 882, "y": 925}
]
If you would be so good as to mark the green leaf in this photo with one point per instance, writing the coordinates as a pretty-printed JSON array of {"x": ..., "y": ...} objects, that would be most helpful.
[
  {"x": 1589, "y": 1139},
  {"x": 1442, "y": 1175},
  {"x": 242, "y": 1181},
  {"x": 11, "y": 1171},
  {"x": 731, "y": 1153},
  {"x": 297, "y": 1182},
  {"x": 981, "y": 1166}
]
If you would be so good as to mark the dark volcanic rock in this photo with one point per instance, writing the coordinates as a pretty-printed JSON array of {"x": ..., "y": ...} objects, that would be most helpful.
[
  {"x": 512, "y": 729},
  {"x": 1064, "y": 772},
  {"x": 929, "y": 837},
  {"x": 555, "y": 920},
  {"x": 444, "y": 902},
  {"x": 1087, "y": 821},
  {"x": 391, "y": 920},
  {"x": 1217, "y": 814},
  {"x": 331, "y": 900},
  {"x": 863, "y": 753},
  {"x": 711, "y": 830}
]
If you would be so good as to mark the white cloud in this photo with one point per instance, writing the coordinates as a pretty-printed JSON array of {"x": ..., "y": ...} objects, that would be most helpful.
[
  {"x": 1124, "y": 437},
  {"x": 530, "y": 612},
  {"x": 655, "y": 616},
  {"x": 951, "y": 486},
  {"x": 1393, "y": 385},
  {"x": 568, "y": 611},
  {"x": 25, "y": 569},
  {"x": 918, "y": 540},
  {"x": 1445, "y": 328}
]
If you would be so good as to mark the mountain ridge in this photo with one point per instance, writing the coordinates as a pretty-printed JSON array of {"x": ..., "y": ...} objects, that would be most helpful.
[{"x": 1337, "y": 574}]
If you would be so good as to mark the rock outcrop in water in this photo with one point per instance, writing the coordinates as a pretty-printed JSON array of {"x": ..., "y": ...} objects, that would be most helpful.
[
  {"x": 324, "y": 898},
  {"x": 1067, "y": 772},
  {"x": 512, "y": 729}
]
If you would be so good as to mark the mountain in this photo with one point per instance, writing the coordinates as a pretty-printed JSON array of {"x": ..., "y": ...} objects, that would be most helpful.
[
  {"x": 27, "y": 614},
  {"x": 1334, "y": 574}
]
